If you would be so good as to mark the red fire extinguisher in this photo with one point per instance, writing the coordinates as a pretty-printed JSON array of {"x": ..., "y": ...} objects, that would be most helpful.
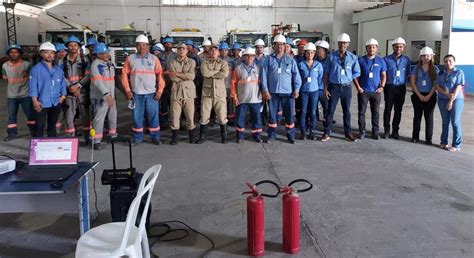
[
  {"x": 255, "y": 218},
  {"x": 291, "y": 216}
]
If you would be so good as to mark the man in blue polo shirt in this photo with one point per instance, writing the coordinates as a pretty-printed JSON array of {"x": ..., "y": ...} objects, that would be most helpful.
[
  {"x": 342, "y": 69},
  {"x": 47, "y": 88},
  {"x": 398, "y": 70},
  {"x": 371, "y": 83},
  {"x": 281, "y": 84}
]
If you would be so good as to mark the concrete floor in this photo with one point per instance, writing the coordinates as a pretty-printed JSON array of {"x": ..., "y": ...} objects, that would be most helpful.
[{"x": 372, "y": 198}]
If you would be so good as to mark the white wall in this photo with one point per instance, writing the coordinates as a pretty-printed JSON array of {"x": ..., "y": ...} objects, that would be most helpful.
[
  {"x": 102, "y": 15},
  {"x": 429, "y": 31},
  {"x": 26, "y": 31},
  {"x": 381, "y": 30}
]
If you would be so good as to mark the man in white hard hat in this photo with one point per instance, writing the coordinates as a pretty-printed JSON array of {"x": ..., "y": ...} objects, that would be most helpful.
[
  {"x": 245, "y": 93},
  {"x": 281, "y": 84},
  {"x": 370, "y": 86},
  {"x": 214, "y": 70},
  {"x": 182, "y": 71},
  {"x": 322, "y": 52},
  {"x": 206, "y": 46},
  {"x": 398, "y": 70},
  {"x": 259, "y": 48},
  {"x": 142, "y": 81},
  {"x": 343, "y": 69},
  {"x": 47, "y": 88}
]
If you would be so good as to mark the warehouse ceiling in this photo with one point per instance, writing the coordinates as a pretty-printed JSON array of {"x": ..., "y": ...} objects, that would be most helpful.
[{"x": 43, "y": 4}]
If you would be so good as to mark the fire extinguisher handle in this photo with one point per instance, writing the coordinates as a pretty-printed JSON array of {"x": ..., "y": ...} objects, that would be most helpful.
[
  {"x": 303, "y": 181},
  {"x": 272, "y": 183}
]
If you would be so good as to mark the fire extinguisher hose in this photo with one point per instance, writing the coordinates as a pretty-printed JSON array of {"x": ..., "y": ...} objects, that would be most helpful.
[
  {"x": 255, "y": 192},
  {"x": 310, "y": 186}
]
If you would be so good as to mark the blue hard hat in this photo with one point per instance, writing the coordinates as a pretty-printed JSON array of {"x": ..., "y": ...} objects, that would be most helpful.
[
  {"x": 73, "y": 38},
  {"x": 14, "y": 46},
  {"x": 223, "y": 45},
  {"x": 91, "y": 41},
  {"x": 168, "y": 39},
  {"x": 157, "y": 47},
  {"x": 100, "y": 48},
  {"x": 236, "y": 46},
  {"x": 189, "y": 42},
  {"x": 196, "y": 46},
  {"x": 289, "y": 42},
  {"x": 247, "y": 46},
  {"x": 59, "y": 47}
]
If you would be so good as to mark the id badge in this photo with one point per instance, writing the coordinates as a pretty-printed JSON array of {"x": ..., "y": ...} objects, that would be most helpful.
[
  {"x": 398, "y": 73},
  {"x": 423, "y": 82},
  {"x": 343, "y": 72},
  {"x": 249, "y": 79},
  {"x": 52, "y": 83},
  {"x": 279, "y": 70},
  {"x": 371, "y": 75},
  {"x": 309, "y": 79}
]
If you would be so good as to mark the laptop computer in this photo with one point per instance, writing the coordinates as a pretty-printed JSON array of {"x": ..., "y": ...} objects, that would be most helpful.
[{"x": 50, "y": 159}]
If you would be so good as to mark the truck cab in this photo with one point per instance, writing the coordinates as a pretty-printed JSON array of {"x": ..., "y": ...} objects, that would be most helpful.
[
  {"x": 61, "y": 36},
  {"x": 249, "y": 38},
  {"x": 121, "y": 44}
]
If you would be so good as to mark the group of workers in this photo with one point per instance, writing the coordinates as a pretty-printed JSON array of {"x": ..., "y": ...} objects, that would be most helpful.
[{"x": 159, "y": 82}]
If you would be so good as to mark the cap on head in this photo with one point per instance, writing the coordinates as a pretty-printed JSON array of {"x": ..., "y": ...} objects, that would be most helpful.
[
  {"x": 14, "y": 46},
  {"x": 279, "y": 39},
  {"x": 223, "y": 45},
  {"x": 426, "y": 51},
  {"x": 168, "y": 39},
  {"x": 91, "y": 42},
  {"x": 158, "y": 47},
  {"x": 259, "y": 42},
  {"x": 323, "y": 44},
  {"x": 182, "y": 45},
  {"x": 310, "y": 46},
  {"x": 142, "y": 39},
  {"x": 236, "y": 46},
  {"x": 371, "y": 41},
  {"x": 344, "y": 37},
  {"x": 47, "y": 46},
  {"x": 248, "y": 51},
  {"x": 72, "y": 38},
  {"x": 100, "y": 48},
  {"x": 59, "y": 46},
  {"x": 398, "y": 40},
  {"x": 206, "y": 43},
  {"x": 302, "y": 42}
]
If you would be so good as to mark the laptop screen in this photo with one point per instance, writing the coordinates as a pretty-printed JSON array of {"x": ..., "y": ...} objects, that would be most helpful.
[{"x": 54, "y": 151}]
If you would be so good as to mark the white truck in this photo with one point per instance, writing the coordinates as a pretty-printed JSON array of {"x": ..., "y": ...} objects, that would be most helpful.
[
  {"x": 248, "y": 37},
  {"x": 121, "y": 44}
]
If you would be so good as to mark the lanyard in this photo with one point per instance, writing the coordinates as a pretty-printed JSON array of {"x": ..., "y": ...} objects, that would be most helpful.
[
  {"x": 279, "y": 61},
  {"x": 249, "y": 71},
  {"x": 309, "y": 69},
  {"x": 371, "y": 67},
  {"x": 397, "y": 64},
  {"x": 341, "y": 61}
]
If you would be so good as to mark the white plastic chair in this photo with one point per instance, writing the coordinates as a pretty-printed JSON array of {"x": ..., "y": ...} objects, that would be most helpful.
[{"x": 119, "y": 239}]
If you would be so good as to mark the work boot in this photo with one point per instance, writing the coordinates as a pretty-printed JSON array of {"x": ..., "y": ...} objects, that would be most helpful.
[
  {"x": 223, "y": 133},
  {"x": 202, "y": 134},
  {"x": 386, "y": 134},
  {"x": 174, "y": 137},
  {"x": 192, "y": 135}
]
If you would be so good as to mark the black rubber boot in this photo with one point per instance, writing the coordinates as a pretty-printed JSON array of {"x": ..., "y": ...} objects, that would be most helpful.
[
  {"x": 202, "y": 134},
  {"x": 192, "y": 135},
  {"x": 174, "y": 137},
  {"x": 223, "y": 133}
]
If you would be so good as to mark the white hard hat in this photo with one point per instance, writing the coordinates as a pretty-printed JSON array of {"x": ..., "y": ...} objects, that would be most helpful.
[
  {"x": 426, "y": 51},
  {"x": 279, "y": 39},
  {"x": 323, "y": 44},
  {"x": 371, "y": 41},
  {"x": 259, "y": 42},
  {"x": 310, "y": 46},
  {"x": 47, "y": 46},
  {"x": 344, "y": 37},
  {"x": 248, "y": 51},
  {"x": 141, "y": 39},
  {"x": 206, "y": 43},
  {"x": 398, "y": 40}
]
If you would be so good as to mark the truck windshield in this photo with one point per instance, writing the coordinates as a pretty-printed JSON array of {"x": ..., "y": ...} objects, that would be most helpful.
[
  {"x": 121, "y": 40},
  {"x": 244, "y": 39},
  {"x": 182, "y": 39},
  {"x": 61, "y": 36}
]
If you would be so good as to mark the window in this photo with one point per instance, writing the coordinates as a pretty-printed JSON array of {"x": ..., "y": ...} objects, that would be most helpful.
[{"x": 220, "y": 2}]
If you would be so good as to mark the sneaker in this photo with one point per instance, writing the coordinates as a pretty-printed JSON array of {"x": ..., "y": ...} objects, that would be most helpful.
[
  {"x": 362, "y": 135},
  {"x": 454, "y": 149},
  {"x": 291, "y": 140},
  {"x": 350, "y": 138},
  {"x": 325, "y": 138},
  {"x": 9, "y": 138},
  {"x": 156, "y": 141},
  {"x": 385, "y": 135}
]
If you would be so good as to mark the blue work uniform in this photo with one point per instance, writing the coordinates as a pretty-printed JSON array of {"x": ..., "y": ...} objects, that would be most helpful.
[
  {"x": 449, "y": 81},
  {"x": 322, "y": 99},
  {"x": 309, "y": 93},
  {"x": 48, "y": 86},
  {"x": 398, "y": 70},
  {"x": 370, "y": 80},
  {"x": 341, "y": 71},
  {"x": 280, "y": 77}
]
